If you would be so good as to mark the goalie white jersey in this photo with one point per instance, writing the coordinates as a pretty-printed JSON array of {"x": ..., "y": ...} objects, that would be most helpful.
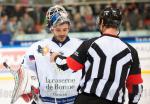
[{"x": 56, "y": 86}]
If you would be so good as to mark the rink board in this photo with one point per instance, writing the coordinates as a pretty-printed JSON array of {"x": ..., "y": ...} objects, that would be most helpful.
[{"x": 14, "y": 55}]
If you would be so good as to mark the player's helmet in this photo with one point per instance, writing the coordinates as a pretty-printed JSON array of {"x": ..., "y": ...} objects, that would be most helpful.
[
  {"x": 56, "y": 15},
  {"x": 111, "y": 17}
]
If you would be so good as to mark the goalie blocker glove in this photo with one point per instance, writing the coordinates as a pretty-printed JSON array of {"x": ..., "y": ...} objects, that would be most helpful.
[{"x": 29, "y": 96}]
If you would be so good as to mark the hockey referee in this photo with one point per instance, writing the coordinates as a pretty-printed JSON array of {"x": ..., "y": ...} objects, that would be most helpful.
[{"x": 109, "y": 65}]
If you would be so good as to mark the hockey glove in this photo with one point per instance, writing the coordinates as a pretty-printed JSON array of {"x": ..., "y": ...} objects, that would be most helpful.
[{"x": 61, "y": 62}]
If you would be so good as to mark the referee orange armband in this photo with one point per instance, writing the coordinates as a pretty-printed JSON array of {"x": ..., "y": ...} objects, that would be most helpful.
[{"x": 73, "y": 64}]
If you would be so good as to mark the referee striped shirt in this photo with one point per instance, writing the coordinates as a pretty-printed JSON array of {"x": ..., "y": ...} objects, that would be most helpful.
[{"x": 110, "y": 66}]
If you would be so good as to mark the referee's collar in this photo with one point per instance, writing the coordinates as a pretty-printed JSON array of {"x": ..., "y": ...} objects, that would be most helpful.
[
  {"x": 115, "y": 36},
  {"x": 60, "y": 44}
]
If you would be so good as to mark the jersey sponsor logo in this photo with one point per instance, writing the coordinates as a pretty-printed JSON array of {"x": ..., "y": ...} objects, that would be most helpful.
[
  {"x": 43, "y": 50},
  {"x": 60, "y": 88}
]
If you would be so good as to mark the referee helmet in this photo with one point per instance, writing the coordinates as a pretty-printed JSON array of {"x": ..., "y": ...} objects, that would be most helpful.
[{"x": 111, "y": 17}]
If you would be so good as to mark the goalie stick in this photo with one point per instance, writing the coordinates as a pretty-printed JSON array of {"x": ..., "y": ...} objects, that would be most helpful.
[{"x": 18, "y": 78}]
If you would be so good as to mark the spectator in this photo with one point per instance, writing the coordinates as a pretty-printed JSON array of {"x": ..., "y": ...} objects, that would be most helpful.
[
  {"x": 27, "y": 23},
  {"x": 39, "y": 16},
  {"x": 4, "y": 21},
  {"x": 78, "y": 23},
  {"x": 134, "y": 19},
  {"x": 1, "y": 9},
  {"x": 89, "y": 19},
  {"x": 5, "y": 36},
  {"x": 20, "y": 29},
  {"x": 13, "y": 24},
  {"x": 96, "y": 9},
  {"x": 18, "y": 11},
  {"x": 125, "y": 21},
  {"x": 146, "y": 16}
]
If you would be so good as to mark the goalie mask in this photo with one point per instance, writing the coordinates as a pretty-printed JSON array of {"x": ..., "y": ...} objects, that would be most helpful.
[{"x": 56, "y": 15}]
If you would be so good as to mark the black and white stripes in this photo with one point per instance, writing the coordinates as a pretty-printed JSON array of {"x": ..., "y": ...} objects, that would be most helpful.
[{"x": 107, "y": 69}]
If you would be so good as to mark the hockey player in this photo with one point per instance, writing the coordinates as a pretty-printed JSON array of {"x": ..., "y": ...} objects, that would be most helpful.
[{"x": 55, "y": 86}]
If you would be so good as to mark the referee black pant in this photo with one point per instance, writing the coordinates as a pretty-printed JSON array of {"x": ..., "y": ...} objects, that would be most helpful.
[{"x": 85, "y": 98}]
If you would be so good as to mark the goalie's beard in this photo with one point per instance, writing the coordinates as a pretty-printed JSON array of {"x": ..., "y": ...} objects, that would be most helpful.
[{"x": 61, "y": 38}]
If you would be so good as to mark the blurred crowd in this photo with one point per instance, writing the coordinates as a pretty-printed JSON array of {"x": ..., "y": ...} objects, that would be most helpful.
[{"x": 19, "y": 19}]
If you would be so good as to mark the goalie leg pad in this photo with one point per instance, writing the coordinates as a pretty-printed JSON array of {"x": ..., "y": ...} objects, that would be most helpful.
[{"x": 24, "y": 80}]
